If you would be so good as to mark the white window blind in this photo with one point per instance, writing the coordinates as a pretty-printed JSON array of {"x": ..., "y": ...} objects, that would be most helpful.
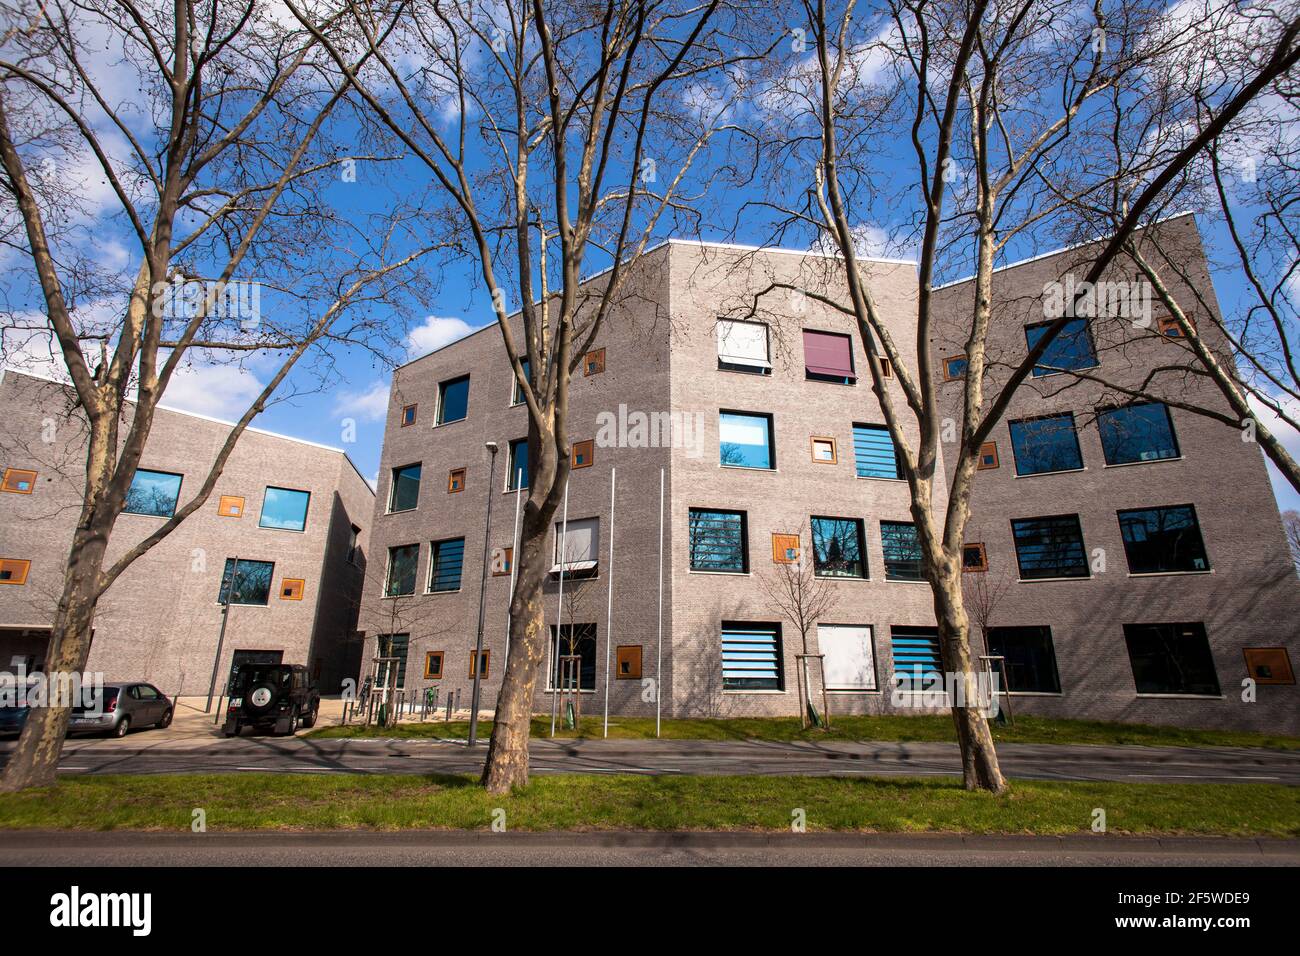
[
  {"x": 743, "y": 343},
  {"x": 848, "y": 662},
  {"x": 578, "y": 550}
]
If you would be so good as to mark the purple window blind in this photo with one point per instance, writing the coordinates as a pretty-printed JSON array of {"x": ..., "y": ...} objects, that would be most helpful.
[{"x": 825, "y": 353}]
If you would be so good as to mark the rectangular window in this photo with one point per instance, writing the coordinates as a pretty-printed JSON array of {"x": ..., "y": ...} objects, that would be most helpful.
[
  {"x": 974, "y": 557},
  {"x": 445, "y": 561},
  {"x": 18, "y": 481},
  {"x": 1171, "y": 659},
  {"x": 745, "y": 441},
  {"x": 230, "y": 506},
  {"x": 405, "y": 493},
  {"x": 284, "y": 509},
  {"x": 433, "y": 664},
  {"x": 742, "y": 347},
  {"x": 1140, "y": 432},
  {"x": 902, "y": 550},
  {"x": 828, "y": 357},
  {"x": 577, "y": 546},
  {"x": 751, "y": 656},
  {"x": 291, "y": 589},
  {"x": 918, "y": 659},
  {"x": 838, "y": 549},
  {"x": 1158, "y": 540},
  {"x": 401, "y": 570},
  {"x": 849, "y": 663},
  {"x": 518, "y": 476},
  {"x": 517, "y": 392},
  {"x": 823, "y": 451},
  {"x": 354, "y": 544},
  {"x": 455, "y": 481},
  {"x": 717, "y": 541},
  {"x": 398, "y": 646},
  {"x": 576, "y": 640},
  {"x": 153, "y": 493},
  {"x": 1050, "y": 547},
  {"x": 584, "y": 453},
  {"x": 453, "y": 400},
  {"x": 14, "y": 570},
  {"x": 408, "y": 415},
  {"x": 1071, "y": 349},
  {"x": 593, "y": 363},
  {"x": 485, "y": 662},
  {"x": 1269, "y": 665},
  {"x": 627, "y": 659},
  {"x": 251, "y": 581},
  {"x": 1045, "y": 444},
  {"x": 874, "y": 453},
  {"x": 1030, "y": 658}
]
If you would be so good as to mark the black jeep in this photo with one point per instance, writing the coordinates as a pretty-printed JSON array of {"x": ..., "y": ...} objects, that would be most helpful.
[{"x": 277, "y": 697}]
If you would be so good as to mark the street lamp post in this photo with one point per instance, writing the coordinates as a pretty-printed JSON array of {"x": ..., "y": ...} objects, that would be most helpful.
[
  {"x": 221, "y": 638},
  {"x": 482, "y": 596}
]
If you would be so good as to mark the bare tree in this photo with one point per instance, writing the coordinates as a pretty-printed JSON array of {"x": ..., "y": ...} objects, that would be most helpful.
[
  {"x": 560, "y": 135},
  {"x": 1291, "y": 527},
  {"x": 208, "y": 131}
]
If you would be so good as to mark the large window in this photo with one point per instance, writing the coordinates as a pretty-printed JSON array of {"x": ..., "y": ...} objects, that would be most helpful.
[
  {"x": 1030, "y": 658},
  {"x": 284, "y": 509},
  {"x": 577, "y": 640},
  {"x": 1159, "y": 540},
  {"x": 1071, "y": 349},
  {"x": 577, "y": 546},
  {"x": 849, "y": 663},
  {"x": 874, "y": 453},
  {"x": 393, "y": 645},
  {"x": 838, "y": 550},
  {"x": 751, "y": 656},
  {"x": 405, "y": 493},
  {"x": 1171, "y": 659},
  {"x": 745, "y": 441},
  {"x": 401, "y": 570},
  {"x": 1140, "y": 432},
  {"x": 518, "y": 476},
  {"x": 246, "y": 582},
  {"x": 1050, "y": 547},
  {"x": 453, "y": 400},
  {"x": 918, "y": 659},
  {"x": 902, "y": 550},
  {"x": 717, "y": 540},
  {"x": 1045, "y": 444},
  {"x": 828, "y": 357},
  {"x": 742, "y": 347},
  {"x": 517, "y": 393},
  {"x": 153, "y": 493},
  {"x": 446, "y": 558}
]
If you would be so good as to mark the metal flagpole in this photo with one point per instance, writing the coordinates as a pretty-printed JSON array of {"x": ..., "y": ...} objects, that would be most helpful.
[
  {"x": 659, "y": 657},
  {"x": 609, "y": 610},
  {"x": 561, "y": 546},
  {"x": 514, "y": 555}
]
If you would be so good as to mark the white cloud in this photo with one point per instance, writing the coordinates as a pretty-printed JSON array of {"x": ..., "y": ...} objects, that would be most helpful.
[
  {"x": 368, "y": 405},
  {"x": 221, "y": 391},
  {"x": 1287, "y": 496},
  {"x": 436, "y": 332}
]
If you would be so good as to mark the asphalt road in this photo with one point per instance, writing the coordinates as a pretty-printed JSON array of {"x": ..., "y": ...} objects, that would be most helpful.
[
  {"x": 451, "y": 849},
  {"x": 145, "y": 753}
]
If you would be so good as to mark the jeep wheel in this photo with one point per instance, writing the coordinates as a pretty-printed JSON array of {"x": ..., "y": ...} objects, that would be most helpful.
[
  {"x": 293, "y": 725},
  {"x": 122, "y": 728},
  {"x": 310, "y": 720}
]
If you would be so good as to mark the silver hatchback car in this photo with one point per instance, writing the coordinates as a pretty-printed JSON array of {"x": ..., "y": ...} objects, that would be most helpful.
[{"x": 125, "y": 707}]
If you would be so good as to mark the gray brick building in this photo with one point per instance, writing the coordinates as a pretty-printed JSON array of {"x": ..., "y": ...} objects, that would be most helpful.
[
  {"x": 759, "y": 416},
  {"x": 295, "y": 514}
]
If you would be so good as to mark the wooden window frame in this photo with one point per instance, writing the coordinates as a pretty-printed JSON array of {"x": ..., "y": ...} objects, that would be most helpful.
[
  {"x": 442, "y": 659},
  {"x": 1288, "y": 678},
  {"x": 781, "y": 544},
  {"x": 414, "y": 414},
  {"x": 451, "y": 481},
  {"x": 1167, "y": 322},
  {"x": 598, "y": 357},
  {"x": 225, "y": 503},
  {"x": 984, "y": 557},
  {"x": 988, "y": 448},
  {"x": 14, "y": 566},
  {"x": 14, "y": 475},
  {"x": 953, "y": 358},
  {"x": 886, "y": 367},
  {"x": 812, "y": 450},
  {"x": 510, "y": 562},
  {"x": 296, "y": 587},
  {"x": 589, "y": 445},
  {"x": 487, "y": 662},
  {"x": 625, "y": 651}
]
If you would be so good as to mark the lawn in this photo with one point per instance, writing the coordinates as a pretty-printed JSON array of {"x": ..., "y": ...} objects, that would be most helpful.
[
  {"x": 573, "y": 802},
  {"x": 1027, "y": 729}
]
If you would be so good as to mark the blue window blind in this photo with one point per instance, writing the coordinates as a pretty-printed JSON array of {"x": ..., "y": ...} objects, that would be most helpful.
[
  {"x": 1071, "y": 349},
  {"x": 1045, "y": 444},
  {"x": 445, "y": 565},
  {"x": 902, "y": 551},
  {"x": 874, "y": 453},
  {"x": 918, "y": 661},
  {"x": 717, "y": 540},
  {"x": 1139, "y": 432},
  {"x": 1050, "y": 547},
  {"x": 751, "y": 657}
]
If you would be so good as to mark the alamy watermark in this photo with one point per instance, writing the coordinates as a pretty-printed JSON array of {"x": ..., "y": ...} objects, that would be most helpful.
[
  {"x": 638, "y": 429},
  {"x": 1120, "y": 300},
  {"x": 187, "y": 298},
  {"x": 61, "y": 689}
]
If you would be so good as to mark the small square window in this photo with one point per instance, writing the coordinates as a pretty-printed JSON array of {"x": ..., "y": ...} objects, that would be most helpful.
[
  {"x": 593, "y": 363},
  {"x": 584, "y": 453},
  {"x": 886, "y": 368},
  {"x": 785, "y": 548},
  {"x": 1269, "y": 665},
  {"x": 291, "y": 589},
  {"x": 988, "y": 458},
  {"x": 456, "y": 481},
  {"x": 628, "y": 662},
  {"x": 823, "y": 451},
  {"x": 954, "y": 367},
  {"x": 14, "y": 570},
  {"x": 18, "y": 481},
  {"x": 502, "y": 561},
  {"x": 408, "y": 415},
  {"x": 1170, "y": 329},
  {"x": 231, "y": 506},
  {"x": 974, "y": 557},
  {"x": 433, "y": 665},
  {"x": 487, "y": 661}
]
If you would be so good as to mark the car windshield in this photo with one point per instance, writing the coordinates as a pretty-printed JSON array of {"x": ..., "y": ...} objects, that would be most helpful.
[{"x": 245, "y": 677}]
